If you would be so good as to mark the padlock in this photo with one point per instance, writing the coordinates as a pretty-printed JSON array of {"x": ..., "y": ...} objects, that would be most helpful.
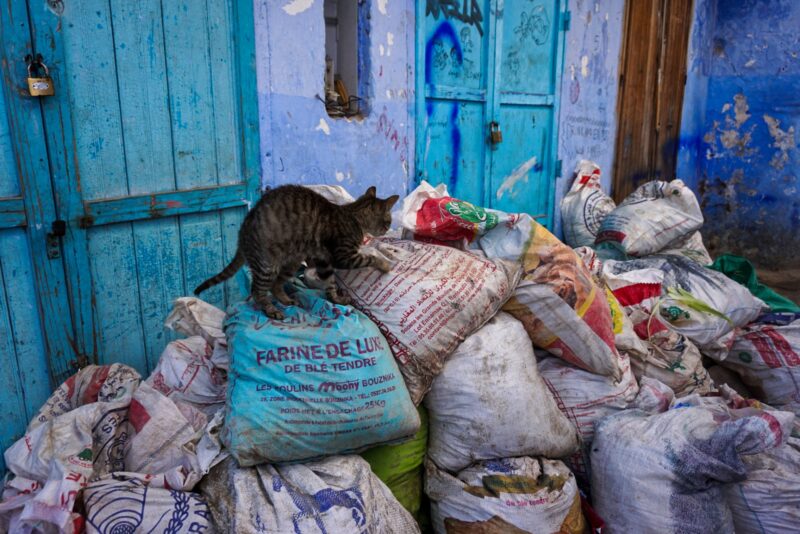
[
  {"x": 496, "y": 134},
  {"x": 40, "y": 86}
]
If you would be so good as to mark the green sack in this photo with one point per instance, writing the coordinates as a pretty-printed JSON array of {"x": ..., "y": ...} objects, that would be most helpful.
[
  {"x": 401, "y": 466},
  {"x": 742, "y": 271}
]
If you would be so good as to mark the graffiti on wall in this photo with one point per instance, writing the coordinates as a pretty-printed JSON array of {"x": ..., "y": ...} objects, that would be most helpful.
[{"x": 468, "y": 12}]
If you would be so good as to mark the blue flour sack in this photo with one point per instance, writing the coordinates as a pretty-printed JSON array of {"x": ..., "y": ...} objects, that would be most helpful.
[{"x": 322, "y": 381}]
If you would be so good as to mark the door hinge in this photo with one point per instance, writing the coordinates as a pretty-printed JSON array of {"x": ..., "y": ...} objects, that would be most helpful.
[
  {"x": 566, "y": 20},
  {"x": 558, "y": 168}
]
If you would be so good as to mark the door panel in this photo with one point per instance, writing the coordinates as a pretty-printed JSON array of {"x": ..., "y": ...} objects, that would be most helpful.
[
  {"x": 455, "y": 47},
  {"x": 523, "y": 165},
  {"x": 36, "y": 320},
  {"x": 23, "y": 358},
  {"x": 512, "y": 82},
  {"x": 530, "y": 45},
  {"x": 155, "y": 159}
]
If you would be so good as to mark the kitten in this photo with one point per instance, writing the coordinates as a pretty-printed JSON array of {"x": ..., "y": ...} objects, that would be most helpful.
[{"x": 291, "y": 224}]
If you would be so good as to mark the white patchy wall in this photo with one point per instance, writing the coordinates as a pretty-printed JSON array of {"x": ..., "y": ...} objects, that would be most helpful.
[
  {"x": 300, "y": 143},
  {"x": 588, "y": 115}
]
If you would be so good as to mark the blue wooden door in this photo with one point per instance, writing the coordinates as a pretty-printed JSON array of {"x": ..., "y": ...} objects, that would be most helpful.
[
  {"x": 490, "y": 62},
  {"x": 148, "y": 152}
]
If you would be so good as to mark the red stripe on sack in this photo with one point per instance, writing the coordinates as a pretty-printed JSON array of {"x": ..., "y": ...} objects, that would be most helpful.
[
  {"x": 647, "y": 328},
  {"x": 637, "y": 293},
  {"x": 137, "y": 415},
  {"x": 774, "y": 426},
  {"x": 784, "y": 348},
  {"x": 610, "y": 235},
  {"x": 763, "y": 344},
  {"x": 99, "y": 378}
]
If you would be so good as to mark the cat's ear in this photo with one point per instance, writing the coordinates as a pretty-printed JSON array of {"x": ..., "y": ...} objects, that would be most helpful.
[
  {"x": 370, "y": 193},
  {"x": 391, "y": 201}
]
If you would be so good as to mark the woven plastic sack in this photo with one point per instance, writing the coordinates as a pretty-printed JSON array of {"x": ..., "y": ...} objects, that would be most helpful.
[
  {"x": 562, "y": 308},
  {"x": 503, "y": 496},
  {"x": 584, "y": 206},
  {"x": 666, "y": 472},
  {"x": 321, "y": 381},
  {"x": 81, "y": 432},
  {"x": 700, "y": 303},
  {"x": 431, "y": 215},
  {"x": 337, "y": 494},
  {"x": 670, "y": 357},
  {"x": 769, "y": 499},
  {"x": 690, "y": 247},
  {"x": 651, "y": 218},
  {"x": 187, "y": 371},
  {"x": 489, "y": 402},
  {"x": 191, "y": 316},
  {"x": 767, "y": 358},
  {"x": 585, "y": 398},
  {"x": 126, "y": 502},
  {"x": 400, "y": 467},
  {"x": 431, "y": 300}
]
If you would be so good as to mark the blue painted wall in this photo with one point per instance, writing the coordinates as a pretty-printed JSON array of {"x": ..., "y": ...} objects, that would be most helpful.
[
  {"x": 588, "y": 118},
  {"x": 738, "y": 148},
  {"x": 300, "y": 143}
]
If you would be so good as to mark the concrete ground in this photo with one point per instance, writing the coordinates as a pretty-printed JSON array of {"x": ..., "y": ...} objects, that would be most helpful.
[{"x": 785, "y": 281}]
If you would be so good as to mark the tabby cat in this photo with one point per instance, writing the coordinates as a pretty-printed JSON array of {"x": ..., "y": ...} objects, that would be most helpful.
[{"x": 292, "y": 224}]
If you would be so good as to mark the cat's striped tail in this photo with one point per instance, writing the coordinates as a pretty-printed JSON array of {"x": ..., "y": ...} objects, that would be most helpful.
[{"x": 235, "y": 264}]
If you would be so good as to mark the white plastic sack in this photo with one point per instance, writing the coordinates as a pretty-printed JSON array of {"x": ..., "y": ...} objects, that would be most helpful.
[
  {"x": 337, "y": 494},
  {"x": 690, "y": 247},
  {"x": 669, "y": 356},
  {"x": 126, "y": 502},
  {"x": 654, "y": 396},
  {"x": 769, "y": 500},
  {"x": 733, "y": 304},
  {"x": 489, "y": 402},
  {"x": 186, "y": 372},
  {"x": 81, "y": 432},
  {"x": 651, "y": 218},
  {"x": 504, "y": 496},
  {"x": 333, "y": 193},
  {"x": 431, "y": 300},
  {"x": 585, "y": 398},
  {"x": 164, "y": 439},
  {"x": 584, "y": 206},
  {"x": 767, "y": 358},
  {"x": 665, "y": 472},
  {"x": 191, "y": 316}
]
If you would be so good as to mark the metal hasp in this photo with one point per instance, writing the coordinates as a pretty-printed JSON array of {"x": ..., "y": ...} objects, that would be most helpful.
[{"x": 57, "y": 230}]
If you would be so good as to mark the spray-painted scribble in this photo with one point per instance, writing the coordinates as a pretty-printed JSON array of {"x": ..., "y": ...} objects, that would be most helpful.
[
  {"x": 467, "y": 12},
  {"x": 534, "y": 25},
  {"x": 445, "y": 32}
]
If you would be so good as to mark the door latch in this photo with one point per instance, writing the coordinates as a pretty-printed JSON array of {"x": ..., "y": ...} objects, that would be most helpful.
[{"x": 57, "y": 230}]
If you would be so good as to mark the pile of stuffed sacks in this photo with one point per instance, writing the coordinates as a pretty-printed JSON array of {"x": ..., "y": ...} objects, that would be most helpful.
[{"x": 496, "y": 380}]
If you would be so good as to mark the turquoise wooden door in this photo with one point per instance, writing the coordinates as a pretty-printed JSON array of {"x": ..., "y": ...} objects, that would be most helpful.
[
  {"x": 149, "y": 154},
  {"x": 490, "y": 62}
]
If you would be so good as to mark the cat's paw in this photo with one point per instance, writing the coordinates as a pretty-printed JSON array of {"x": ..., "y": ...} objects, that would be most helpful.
[
  {"x": 382, "y": 265},
  {"x": 339, "y": 298},
  {"x": 286, "y": 300},
  {"x": 275, "y": 314}
]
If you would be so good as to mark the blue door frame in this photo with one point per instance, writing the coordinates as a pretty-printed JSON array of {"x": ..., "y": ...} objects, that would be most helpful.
[{"x": 482, "y": 62}]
